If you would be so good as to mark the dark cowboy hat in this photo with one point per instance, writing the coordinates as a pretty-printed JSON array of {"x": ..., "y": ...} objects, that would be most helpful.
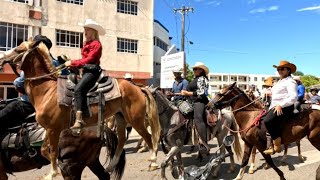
[
  {"x": 314, "y": 89},
  {"x": 286, "y": 64},
  {"x": 40, "y": 38}
]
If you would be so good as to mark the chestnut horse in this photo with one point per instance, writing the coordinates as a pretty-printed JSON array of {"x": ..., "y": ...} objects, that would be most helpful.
[
  {"x": 306, "y": 123},
  {"x": 41, "y": 87}
]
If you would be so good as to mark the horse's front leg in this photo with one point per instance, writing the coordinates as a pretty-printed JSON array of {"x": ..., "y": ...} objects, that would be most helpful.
[
  {"x": 121, "y": 132},
  {"x": 173, "y": 151},
  {"x": 301, "y": 158},
  {"x": 245, "y": 160},
  {"x": 53, "y": 139},
  {"x": 253, "y": 158}
]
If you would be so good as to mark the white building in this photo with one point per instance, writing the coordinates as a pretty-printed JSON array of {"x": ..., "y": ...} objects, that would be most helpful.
[
  {"x": 161, "y": 43},
  {"x": 127, "y": 45},
  {"x": 244, "y": 81}
]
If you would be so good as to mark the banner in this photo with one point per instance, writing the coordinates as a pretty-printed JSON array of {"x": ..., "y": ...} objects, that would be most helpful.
[{"x": 168, "y": 64}]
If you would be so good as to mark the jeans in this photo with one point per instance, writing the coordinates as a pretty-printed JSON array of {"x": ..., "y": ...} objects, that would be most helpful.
[{"x": 198, "y": 114}]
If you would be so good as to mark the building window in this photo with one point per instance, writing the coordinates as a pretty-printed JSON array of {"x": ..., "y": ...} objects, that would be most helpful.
[
  {"x": 79, "y": 2},
  {"x": 7, "y": 91},
  {"x": 161, "y": 44},
  {"x": 11, "y": 35},
  {"x": 127, "y": 45},
  {"x": 255, "y": 79},
  {"x": 20, "y": 1},
  {"x": 69, "y": 38},
  {"x": 127, "y": 7}
]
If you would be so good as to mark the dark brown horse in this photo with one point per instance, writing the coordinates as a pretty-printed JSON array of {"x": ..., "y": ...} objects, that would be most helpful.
[
  {"x": 41, "y": 87},
  {"x": 306, "y": 123},
  {"x": 88, "y": 146}
]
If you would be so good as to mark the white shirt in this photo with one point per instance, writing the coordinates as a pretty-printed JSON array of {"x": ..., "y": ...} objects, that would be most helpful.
[{"x": 284, "y": 92}]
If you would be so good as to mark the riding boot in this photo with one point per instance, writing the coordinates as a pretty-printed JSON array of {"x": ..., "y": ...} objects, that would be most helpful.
[
  {"x": 269, "y": 150},
  {"x": 79, "y": 123},
  {"x": 203, "y": 146},
  {"x": 277, "y": 145}
]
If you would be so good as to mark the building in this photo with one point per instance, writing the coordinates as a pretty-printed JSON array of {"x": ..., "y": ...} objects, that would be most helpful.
[
  {"x": 244, "y": 81},
  {"x": 161, "y": 43},
  {"x": 127, "y": 45}
]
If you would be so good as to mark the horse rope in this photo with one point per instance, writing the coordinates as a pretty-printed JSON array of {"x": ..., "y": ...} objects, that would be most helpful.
[{"x": 59, "y": 68}]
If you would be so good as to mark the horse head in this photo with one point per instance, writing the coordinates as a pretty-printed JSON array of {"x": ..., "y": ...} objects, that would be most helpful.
[
  {"x": 160, "y": 98},
  {"x": 14, "y": 55},
  {"x": 227, "y": 96}
]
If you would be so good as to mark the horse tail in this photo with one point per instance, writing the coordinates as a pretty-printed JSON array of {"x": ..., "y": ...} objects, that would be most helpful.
[
  {"x": 236, "y": 146},
  {"x": 111, "y": 143},
  {"x": 153, "y": 118}
]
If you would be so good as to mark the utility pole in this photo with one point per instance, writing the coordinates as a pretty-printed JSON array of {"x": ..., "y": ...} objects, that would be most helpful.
[{"x": 183, "y": 12}]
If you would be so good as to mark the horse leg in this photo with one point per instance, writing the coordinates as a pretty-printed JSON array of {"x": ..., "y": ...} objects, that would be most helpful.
[
  {"x": 98, "y": 169},
  {"x": 139, "y": 144},
  {"x": 245, "y": 160},
  {"x": 121, "y": 132},
  {"x": 180, "y": 162},
  {"x": 3, "y": 174},
  {"x": 253, "y": 158},
  {"x": 144, "y": 147},
  {"x": 285, "y": 153},
  {"x": 271, "y": 164},
  {"x": 232, "y": 163},
  {"x": 313, "y": 137},
  {"x": 53, "y": 137},
  {"x": 301, "y": 158},
  {"x": 173, "y": 151}
]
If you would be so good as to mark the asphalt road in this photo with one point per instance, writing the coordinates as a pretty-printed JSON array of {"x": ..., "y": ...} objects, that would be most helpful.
[{"x": 137, "y": 165}]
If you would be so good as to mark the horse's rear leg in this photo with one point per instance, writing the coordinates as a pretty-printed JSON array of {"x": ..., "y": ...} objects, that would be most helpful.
[
  {"x": 173, "y": 151},
  {"x": 284, "y": 157},
  {"x": 53, "y": 137},
  {"x": 301, "y": 158},
  {"x": 98, "y": 170},
  {"x": 121, "y": 132},
  {"x": 271, "y": 164},
  {"x": 245, "y": 160},
  {"x": 253, "y": 158},
  {"x": 313, "y": 137}
]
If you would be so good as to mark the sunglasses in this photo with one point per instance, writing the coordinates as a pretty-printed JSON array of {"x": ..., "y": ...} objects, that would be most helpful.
[
  {"x": 281, "y": 69},
  {"x": 194, "y": 69}
]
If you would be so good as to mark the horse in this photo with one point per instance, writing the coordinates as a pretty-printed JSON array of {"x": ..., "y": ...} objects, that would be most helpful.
[
  {"x": 175, "y": 133},
  {"x": 41, "y": 88},
  {"x": 18, "y": 158},
  {"x": 89, "y": 145},
  {"x": 305, "y": 123}
]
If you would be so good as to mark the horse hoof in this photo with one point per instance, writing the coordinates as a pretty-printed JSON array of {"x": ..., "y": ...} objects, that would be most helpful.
[
  {"x": 153, "y": 168},
  {"x": 266, "y": 166},
  {"x": 109, "y": 169},
  {"x": 251, "y": 171},
  {"x": 141, "y": 150},
  {"x": 301, "y": 159}
]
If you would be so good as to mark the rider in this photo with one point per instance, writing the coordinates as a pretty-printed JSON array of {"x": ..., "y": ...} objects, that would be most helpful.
[
  {"x": 313, "y": 97},
  {"x": 17, "y": 110},
  {"x": 129, "y": 78},
  {"x": 197, "y": 91},
  {"x": 179, "y": 84},
  {"x": 266, "y": 94},
  {"x": 90, "y": 64},
  {"x": 284, "y": 95},
  {"x": 301, "y": 91}
]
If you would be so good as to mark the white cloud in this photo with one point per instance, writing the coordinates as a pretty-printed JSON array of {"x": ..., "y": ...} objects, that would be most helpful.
[
  {"x": 198, "y": 0},
  {"x": 251, "y": 1},
  {"x": 312, "y": 8},
  {"x": 263, "y": 10},
  {"x": 216, "y": 3}
]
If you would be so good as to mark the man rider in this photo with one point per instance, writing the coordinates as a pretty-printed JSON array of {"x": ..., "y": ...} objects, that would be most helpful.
[{"x": 179, "y": 84}]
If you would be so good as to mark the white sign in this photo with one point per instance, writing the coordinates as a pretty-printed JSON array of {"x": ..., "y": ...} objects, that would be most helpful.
[{"x": 168, "y": 64}]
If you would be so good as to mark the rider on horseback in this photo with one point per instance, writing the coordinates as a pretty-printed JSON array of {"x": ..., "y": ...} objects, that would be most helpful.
[
  {"x": 266, "y": 93},
  {"x": 284, "y": 95},
  {"x": 179, "y": 84},
  {"x": 197, "y": 91},
  {"x": 90, "y": 64}
]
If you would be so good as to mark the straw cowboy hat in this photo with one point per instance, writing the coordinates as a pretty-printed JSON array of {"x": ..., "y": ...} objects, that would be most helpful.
[
  {"x": 89, "y": 23},
  {"x": 297, "y": 78},
  {"x": 268, "y": 82},
  {"x": 287, "y": 65},
  {"x": 128, "y": 76},
  {"x": 202, "y": 66},
  {"x": 178, "y": 70}
]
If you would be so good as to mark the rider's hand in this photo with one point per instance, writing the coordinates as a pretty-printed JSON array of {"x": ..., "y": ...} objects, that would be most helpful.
[
  {"x": 185, "y": 93},
  {"x": 278, "y": 110},
  {"x": 67, "y": 63}
]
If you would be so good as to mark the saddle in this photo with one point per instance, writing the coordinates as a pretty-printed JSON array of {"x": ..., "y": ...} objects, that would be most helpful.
[{"x": 106, "y": 85}]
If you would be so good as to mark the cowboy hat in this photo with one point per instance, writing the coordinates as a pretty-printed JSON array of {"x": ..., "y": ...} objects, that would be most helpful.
[
  {"x": 286, "y": 64},
  {"x": 268, "y": 82},
  {"x": 89, "y": 23},
  {"x": 297, "y": 78},
  {"x": 128, "y": 76},
  {"x": 178, "y": 70},
  {"x": 202, "y": 66}
]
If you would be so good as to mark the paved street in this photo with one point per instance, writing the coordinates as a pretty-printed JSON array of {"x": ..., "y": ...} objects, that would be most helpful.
[{"x": 136, "y": 167}]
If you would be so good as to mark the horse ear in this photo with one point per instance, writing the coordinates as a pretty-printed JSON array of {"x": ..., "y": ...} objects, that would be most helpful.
[
  {"x": 30, "y": 39},
  {"x": 232, "y": 85}
]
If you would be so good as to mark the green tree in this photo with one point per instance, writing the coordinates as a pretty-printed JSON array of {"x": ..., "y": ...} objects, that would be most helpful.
[
  {"x": 190, "y": 75},
  {"x": 298, "y": 73},
  {"x": 309, "y": 80}
]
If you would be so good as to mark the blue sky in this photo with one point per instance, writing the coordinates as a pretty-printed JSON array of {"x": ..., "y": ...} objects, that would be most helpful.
[{"x": 247, "y": 36}]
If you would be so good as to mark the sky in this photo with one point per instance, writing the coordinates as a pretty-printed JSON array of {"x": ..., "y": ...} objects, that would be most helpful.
[{"x": 247, "y": 36}]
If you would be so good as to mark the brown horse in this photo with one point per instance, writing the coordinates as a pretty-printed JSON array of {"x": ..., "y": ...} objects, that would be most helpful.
[
  {"x": 306, "y": 123},
  {"x": 41, "y": 87}
]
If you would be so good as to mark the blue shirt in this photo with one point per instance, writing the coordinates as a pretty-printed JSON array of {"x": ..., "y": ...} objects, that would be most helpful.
[
  {"x": 177, "y": 87},
  {"x": 301, "y": 91},
  {"x": 56, "y": 63},
  {"x": 19, "y": 83}
]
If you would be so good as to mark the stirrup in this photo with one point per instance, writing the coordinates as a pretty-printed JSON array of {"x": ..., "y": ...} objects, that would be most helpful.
[{"x": 269, "y": 151}]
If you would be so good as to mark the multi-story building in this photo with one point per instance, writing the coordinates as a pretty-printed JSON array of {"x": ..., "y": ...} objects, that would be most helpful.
[
  {"x": 244, "y": 81},
  {"x": 161, "y": 43},
  {"x": 127, "y": 45}
]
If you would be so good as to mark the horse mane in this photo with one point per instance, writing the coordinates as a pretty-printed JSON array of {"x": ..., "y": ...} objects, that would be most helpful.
[
  {"x": 256, "y": 104},
  {"x": 45, "y": 54}
]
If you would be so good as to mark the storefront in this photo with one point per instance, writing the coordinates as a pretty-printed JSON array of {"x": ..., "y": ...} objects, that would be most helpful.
[{"x": 7, "y": 90}]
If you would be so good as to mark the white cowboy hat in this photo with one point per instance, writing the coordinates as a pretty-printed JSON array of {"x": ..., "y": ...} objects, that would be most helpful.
[
  {"x": 297, "y": 78},
  {"x": 89, "y": 23},
  {"x": 128, "y": 76},
  {"x": 202, "y": 66},
  {"x": 178, "y": 70}
]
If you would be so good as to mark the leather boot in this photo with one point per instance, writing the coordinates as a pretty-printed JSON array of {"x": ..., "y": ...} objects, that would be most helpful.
[
  {"x": 277, "y": 145},
  {"x": 269, "y": 150},
  {"x": 79, "y": 123}
]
